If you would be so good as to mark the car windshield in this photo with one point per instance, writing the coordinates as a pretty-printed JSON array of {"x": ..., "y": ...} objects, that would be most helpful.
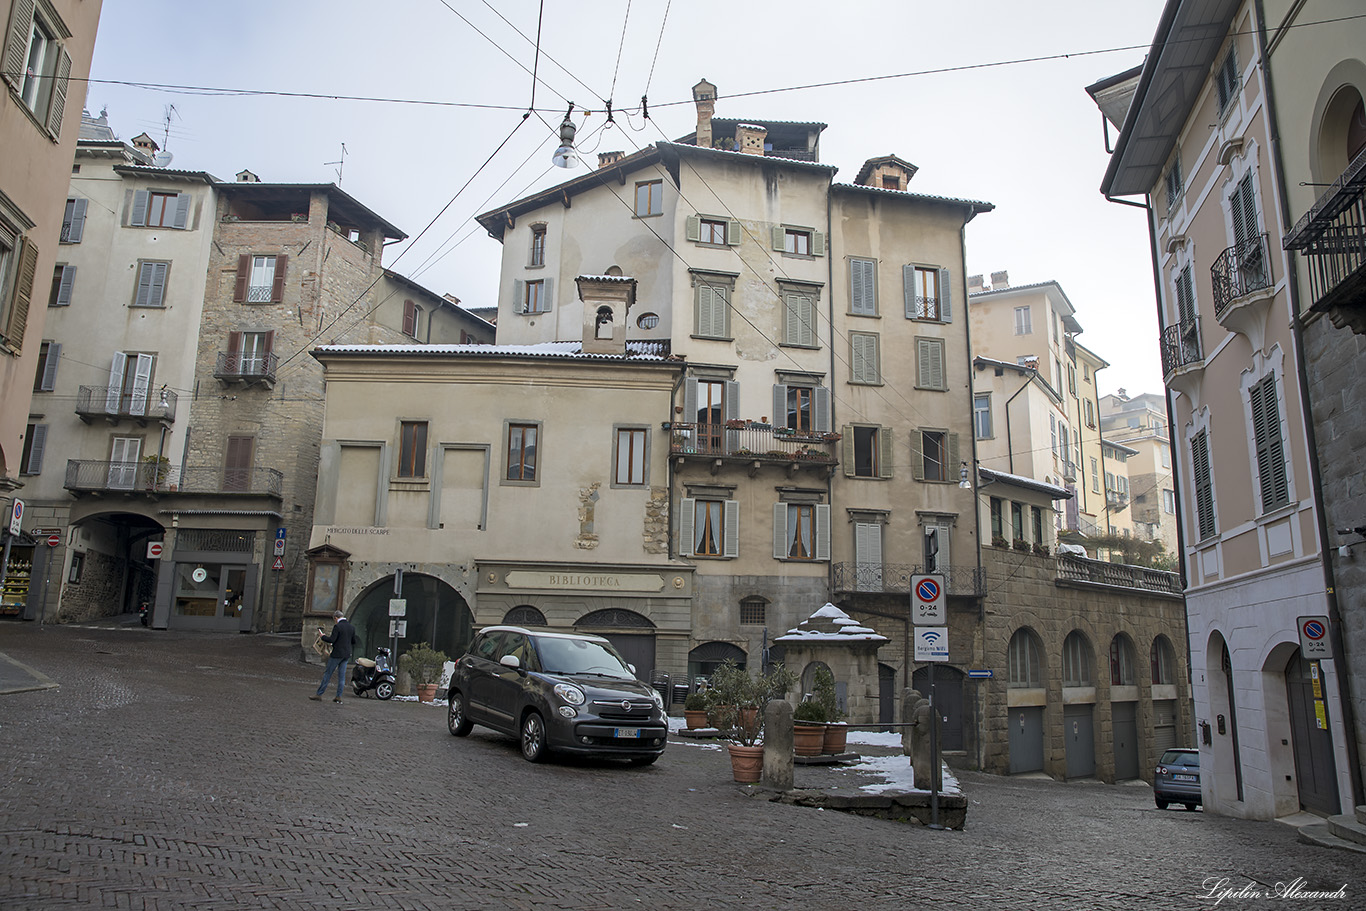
[
  {"x": 580, "y": 656},
  {"x": 1181, "y": 758}
]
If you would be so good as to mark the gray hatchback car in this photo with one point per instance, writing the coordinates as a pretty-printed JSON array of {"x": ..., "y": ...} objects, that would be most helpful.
[
  {"x": 561, "y": 692},
  {"x": 1177, "y": 779}
]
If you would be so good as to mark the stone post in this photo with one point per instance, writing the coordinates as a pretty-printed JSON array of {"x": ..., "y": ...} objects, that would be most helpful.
[{"x": 778, "y": 754}]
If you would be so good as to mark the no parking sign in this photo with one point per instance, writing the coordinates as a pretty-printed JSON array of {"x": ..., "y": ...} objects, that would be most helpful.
[{"x": 1314, "y": 638}]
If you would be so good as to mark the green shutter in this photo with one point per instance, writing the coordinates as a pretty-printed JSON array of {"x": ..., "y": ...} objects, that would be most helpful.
[
  {"x": 705, "y": 305},
  {"x": 731, "y": 546},
  {"x": 779, "y": 237},
  {"x": 779, "y": 531},
  {"x": 917, "y": 455},
  {"x": 817, "y": 243},
  {"x": 733, "y": 233},
  {"x": 693, "y": 228},
  {"x": 1204, "y": 494},
  {"x": 822, "y": 531},
  {"x": 847, "y": 450},
  {"x": 687, "y": 515}
]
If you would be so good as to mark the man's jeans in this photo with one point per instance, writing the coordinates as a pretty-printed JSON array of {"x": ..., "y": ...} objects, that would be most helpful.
[{"x": 338, "y": 665}]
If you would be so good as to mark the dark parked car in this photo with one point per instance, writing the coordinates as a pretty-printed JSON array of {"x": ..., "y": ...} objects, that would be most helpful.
[
  {"x": 556, "y": 692},
  {"x": 1177, "y": 779}
]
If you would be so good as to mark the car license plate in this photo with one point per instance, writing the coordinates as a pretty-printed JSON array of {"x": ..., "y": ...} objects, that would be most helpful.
[
  {"x": 1183, "y": 778},
  {"x": 626, "y": 732}
]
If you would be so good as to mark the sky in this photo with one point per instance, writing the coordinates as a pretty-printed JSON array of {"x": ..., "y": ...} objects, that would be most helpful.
[{"x": 986, "y": 98}]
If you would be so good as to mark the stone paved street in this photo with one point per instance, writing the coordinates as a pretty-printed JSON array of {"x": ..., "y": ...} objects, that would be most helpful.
[{"x": 178, "y": 770}]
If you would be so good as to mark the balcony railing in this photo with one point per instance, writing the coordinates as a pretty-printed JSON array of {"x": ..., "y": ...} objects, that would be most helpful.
[
  {"x": 1119, "y": 575},
  {"x": 1116, "y": 499},
  {"x": 149, "y": 478},
  {"x": 1181, "y": 345},
  {"x": 234, "y": 366},
  {"x": 744, "y": 441},
  {"x": 896, "y": 577},
  {"x": 1240, "y": 270},
  {"x": 114, "y": 403},
  {"x": 1332, "y": 237}
]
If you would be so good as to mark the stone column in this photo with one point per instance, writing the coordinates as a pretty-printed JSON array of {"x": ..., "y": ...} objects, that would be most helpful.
[{"x": 778, "y": 762}]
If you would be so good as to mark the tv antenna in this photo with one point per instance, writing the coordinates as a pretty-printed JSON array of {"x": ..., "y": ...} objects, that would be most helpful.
[
  {"x": 162, "y": 158},
  {"x": 340, "y": 164}
]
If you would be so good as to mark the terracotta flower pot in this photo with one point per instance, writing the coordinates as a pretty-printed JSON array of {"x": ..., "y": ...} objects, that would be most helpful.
[
  {"x": 836, "y": 739},
  {"x": 746, "y": 763},
  {"x": 426, "y": 692},
  {"x": 695, "y": 719},
  {"x": 808, "y": 739}
]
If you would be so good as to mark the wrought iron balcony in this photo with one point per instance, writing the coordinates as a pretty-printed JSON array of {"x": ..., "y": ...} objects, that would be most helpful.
[
  {"x": 1116, "y": 499},
  {"x": 745, "y": 441},
  {"x": 1181, "y": 346},
  {"x": 1117, "y": 575},
  {"x": 1240, "y": 270},
  {"x": 114, "y": 404},
  {"x": 84, "y": 476},
  {"x": 896, "y": 577},
  {"x": 1332, "y": 237},
  {"x": 236, "y": 367}
]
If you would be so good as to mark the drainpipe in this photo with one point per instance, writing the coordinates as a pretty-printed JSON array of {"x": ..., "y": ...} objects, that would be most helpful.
[
  {"x": 1349, "y": 721},
  {"x": 830, "y": 309},
  {"x": 976, "y": 503}
]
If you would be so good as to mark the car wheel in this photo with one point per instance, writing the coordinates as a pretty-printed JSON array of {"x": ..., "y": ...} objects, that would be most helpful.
[
  {"x": 384, "y": 690},
  {"x": 1161, "y": 804},
  {"x": 456, "y": 720},
  {"x": 533, "y": 737},
  {"x": 642, "y": 760}
]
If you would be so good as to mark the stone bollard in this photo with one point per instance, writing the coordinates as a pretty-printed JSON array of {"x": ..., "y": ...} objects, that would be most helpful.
[
  {"x": 915, "y": 741},
  {"x": 778, "y": 746}
]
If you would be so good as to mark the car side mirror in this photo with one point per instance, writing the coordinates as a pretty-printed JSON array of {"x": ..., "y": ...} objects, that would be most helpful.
[
  {"x": 631, "y": 668},
  {"x": 510, "y": 661}
]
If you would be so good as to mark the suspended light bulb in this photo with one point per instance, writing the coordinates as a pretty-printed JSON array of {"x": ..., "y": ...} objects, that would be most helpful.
[
  {"x": 565, "y": 156},
  {"x": 963, "y": 481}
]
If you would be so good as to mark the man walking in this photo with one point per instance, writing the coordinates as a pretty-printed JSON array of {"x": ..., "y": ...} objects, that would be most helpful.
[{"x": 343, "y": 639}]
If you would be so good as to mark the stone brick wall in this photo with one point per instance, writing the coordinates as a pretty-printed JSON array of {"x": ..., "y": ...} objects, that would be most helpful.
[{"x": 99, "y": 593}]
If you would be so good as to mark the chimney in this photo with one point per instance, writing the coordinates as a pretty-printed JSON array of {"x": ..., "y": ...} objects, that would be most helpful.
[
  {"x": 749, "y": 138},
  {"x": 975, "y": 284},
  {"x": 704, "y": 96},
  {"x": 1000, "y": 281},
  {"x": 146, "y": 144},
  {"x": 247, "y": 177},
  {"x": 609, "y": 158}
]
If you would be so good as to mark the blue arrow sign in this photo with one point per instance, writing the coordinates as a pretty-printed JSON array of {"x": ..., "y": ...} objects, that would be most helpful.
[{"x": 980, "y": 674}]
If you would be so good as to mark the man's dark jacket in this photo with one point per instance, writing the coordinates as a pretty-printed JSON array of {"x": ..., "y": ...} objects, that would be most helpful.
[{"x": 343, "y": 638}]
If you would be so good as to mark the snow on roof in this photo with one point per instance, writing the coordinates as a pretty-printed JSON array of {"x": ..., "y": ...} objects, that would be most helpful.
[
  {"x": 634, "y": 350},
  {"x": 1058, "y": 493},
  {"x": 830, "y": 624}
]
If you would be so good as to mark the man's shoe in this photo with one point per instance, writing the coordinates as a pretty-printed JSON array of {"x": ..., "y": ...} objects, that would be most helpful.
[
  {"x": 337, "y": 700},
  {"x": 316, "y": 698}
]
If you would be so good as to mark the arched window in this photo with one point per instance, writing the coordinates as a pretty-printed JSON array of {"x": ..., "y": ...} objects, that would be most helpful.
[
  {"x": 1076, "y": 661},
  {"x": 524, "y": 615},
  {"x": 1122, "y": 661},
  {"x": 1164, "y": 662},
  {"x": 1026, "y": 666},
  {"x": 603, "y": 328}
]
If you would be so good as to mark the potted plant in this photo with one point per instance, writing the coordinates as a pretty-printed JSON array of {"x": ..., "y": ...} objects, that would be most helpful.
[
  {"x": 824, "y": 694},
  {"x": 1021, "y": 545},
  {"x": 155, "y": 470},
  {"x": 808, "y": 728},
  {"x": 739, "y": 699},
  {"x": 1041, "y": 550},
  {"x": 424, "y": 664},
  {"x": 695, "y": 710},
  {"x": 999, "y": 541}
]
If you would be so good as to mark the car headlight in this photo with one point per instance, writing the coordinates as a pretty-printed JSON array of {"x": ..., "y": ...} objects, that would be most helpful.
[
  {"x": 659, "y": 700},
  {"x": 570, "y": 693}
]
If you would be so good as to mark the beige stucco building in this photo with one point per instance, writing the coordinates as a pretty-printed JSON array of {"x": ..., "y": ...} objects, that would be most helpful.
[
  {"x": 45, "y": 52},
  {"x": 1198, "y": 149},
  {"x": 1140, "y": 423}
]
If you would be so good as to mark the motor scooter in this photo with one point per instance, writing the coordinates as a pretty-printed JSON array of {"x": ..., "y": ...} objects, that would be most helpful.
[
  {"x": 374, "y": 675},
  {"x": 144, "y": 612}
]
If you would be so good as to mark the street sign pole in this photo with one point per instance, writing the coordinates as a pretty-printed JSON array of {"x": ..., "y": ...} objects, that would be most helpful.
[{"x": 928, "y": 607}]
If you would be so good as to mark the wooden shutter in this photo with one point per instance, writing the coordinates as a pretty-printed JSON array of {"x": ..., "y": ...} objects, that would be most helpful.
[
  {"x": 951, "y": 459},
  {"x": 822, "y": 531},
  {"x": 1266, "y": 425},
  {"x": 277, "y": 288},
  {"x": 930, "y": 361},
  {"x": 817, "y": 243},
  {"x": 1185, "y": 296},
  {"x": 64, "y": 286},
  {"x": 918, "y": 455},
  {"x": 142, "y": 381},
  {"x": 732, "y": 233},
  {"x": 238, "y": 463},
  {"x": 945, "y": 296},
  {"x": 908, "y": 290},
  {"x": 36, "y": 444},
  {"x": 151, "y": 285},
  {"x": 239, "y": 288},
  {"x": 75, "y": 229},
  {"x": 139, "y": 216},
  {"x": 800, "y": 319},
  {"x": 1204, "y": 494},
  {"x": 732, "y": 533},
  {"x": 730, "y": 408},
  {"x": 779, "y": 236},
  {"x": 410, "y": 318},
  {"x": 48, "y": 381},
  {"x": 868, "y": 543},
  {"x": 16, "y": 42},
  {"x": 847, "y": 450},
  {"x": 182, "y": 210},
  {"x": 687, "y": 515},
  {"x": 1244, "y": 209},
  {"x": 13, "y": 330},
  {"x": 690, "y": 400},
  {"x": 57, "y": 106},
  {"x": 863, "y": 286},
  {"x": 115, "y": 390},
  {"x": 779, "y": 531},
  {"x": 820, "y": 400},
  {"x": 706, "y": 309},
  {"x": 232, "y": 359},
  {"x": 693, "y": 228},
  {"x": 780, "y": 405}
]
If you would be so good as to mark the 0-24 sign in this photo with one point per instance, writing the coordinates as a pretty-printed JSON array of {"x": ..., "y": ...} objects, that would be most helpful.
[{"x": 927, "y": 600}]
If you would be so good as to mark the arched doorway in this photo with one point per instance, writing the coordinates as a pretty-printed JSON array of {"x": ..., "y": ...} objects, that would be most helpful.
[
  {"x": 632, "y": 634},
  {"x": 948, "y": 699},
  {"x": 436, "y": 614},
  {"x": 707, "y": 657},
  {"x": 1026, "y": 699},
  {"x": 1315, "y": 770}
]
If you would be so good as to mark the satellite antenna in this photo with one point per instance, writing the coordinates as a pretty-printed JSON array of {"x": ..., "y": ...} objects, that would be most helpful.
[
  {"x": 163, "y": 157},
  {"x": 340, "y": 164}
]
